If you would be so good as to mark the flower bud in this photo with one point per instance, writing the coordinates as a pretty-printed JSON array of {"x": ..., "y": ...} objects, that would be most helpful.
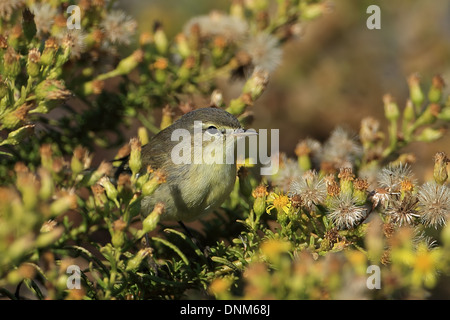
[
  {"x": 333, "y": 189},
  {"x": 135, "y": 161},
  {"x": 237, "y": 106},
  {"x": 63, "y": 204},
  {"x": 219, "y": 46},
  {"x": 13, "y": 119},
  {"x": 125, "y": 65},
  {"x": 217, "y": 99},
  {"x": 435, "y": 93},
  {"x": 160, "y": 38},
  {"x": 415, "y": 92},
  {"x": 151, "y": 221},
  {"x": 119, "y": 225},
  {"x": 45, "y": 106},
  {"x": 237, "y": 9},
  {"x": 346, "y": 177},
  {"x": 125, "y": 187},
  {"x": 360, "y": 190},
  {"x": 182, "y": 45},
  {"x": 445, "y": 114},
  {"x": 194, "y": 38},
  {"x": 156, "y": 179},
  {"x": 312, "y": 11},
  {"x": 47, "y": 238},
  {"x": 111, "y": 191},
  {"x": 77, "y": 162},
  {"x": 47, "y": 185},
  {"x": 430, "y": 135},
  {"x": 185, "y": 71},
  {"x": 67, "y": 43},
  {"x": 159, "y": 67},
  {"x": 17, "y": 136},
  {"x": 20, "y": 247},
  {"x": 49, "y": 53},
  {"x": 257, "y": 5},
  {"x": 3, "y": 88},
  {"x": 11, "y": 63},
  {"x": 408, "y": 120},
  {"x": 408, "y": 112},
  {"x": 143, "y": 135},
  {"x": 167, "y": 117},
  {"x": 302, "y": 150},
  {"x": 259, "y": 206},
  {"x": 93, "y": 87},
  {"x": 118, "y": 238},
  {"x": 33, "y": 63},
  {"x": 46, "y": 154},
  {"x": 52, "y": 90},
  {"x": 99, "y": 195},
  {"x": 257, "y": 83},
  {"x": 134, "y": 263},
  {"x": 59, "y": 24},
  {"x": 48, "y": 225},
  {"x": 440, "y": 168},
  {"x": 27, "y": 185},
  {"x": 145, "y": 38},
  {"x": 103, "y": 169},
  {"x": 428, "y": 116},
  {"x": 391, "y": 109}
]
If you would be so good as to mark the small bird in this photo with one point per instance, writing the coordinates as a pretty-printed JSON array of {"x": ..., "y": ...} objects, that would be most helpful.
[{"x": 204, "y": 180}]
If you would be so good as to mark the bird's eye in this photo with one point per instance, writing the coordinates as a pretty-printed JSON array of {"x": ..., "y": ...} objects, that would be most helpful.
[{"x": 212, "y": 130}]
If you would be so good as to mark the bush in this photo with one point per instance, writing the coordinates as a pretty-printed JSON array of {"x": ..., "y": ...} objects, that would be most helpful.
[{"x": 331, "y": 217}]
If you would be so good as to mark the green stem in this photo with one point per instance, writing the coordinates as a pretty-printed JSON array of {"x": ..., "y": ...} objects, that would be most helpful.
[
  {"x": 393, "y": 134},
  {"x": 208, "y": 76},
  {"x": 313, "y": 222},
  {"x": 113, "y": 275},
  {"x": 148, "y": 124}
]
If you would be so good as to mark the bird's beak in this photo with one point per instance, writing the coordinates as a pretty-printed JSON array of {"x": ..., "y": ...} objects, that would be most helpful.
[{"x": 242, "y": 133}]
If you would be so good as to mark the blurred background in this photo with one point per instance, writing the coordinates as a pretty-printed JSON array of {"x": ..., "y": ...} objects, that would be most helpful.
[{"x": 338, "y": 70}]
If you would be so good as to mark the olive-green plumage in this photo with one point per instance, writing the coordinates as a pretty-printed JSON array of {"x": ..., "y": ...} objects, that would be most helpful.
[{"x": 192, "y": 189}]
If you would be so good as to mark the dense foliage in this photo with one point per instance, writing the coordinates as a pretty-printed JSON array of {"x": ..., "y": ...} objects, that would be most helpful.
[{"x": 310, "y": 231}]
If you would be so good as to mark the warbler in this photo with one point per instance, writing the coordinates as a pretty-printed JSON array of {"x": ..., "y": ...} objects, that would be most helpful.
[{"x": 197, "y": 155}]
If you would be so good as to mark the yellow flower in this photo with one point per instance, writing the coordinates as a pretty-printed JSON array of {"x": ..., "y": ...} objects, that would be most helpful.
[
  {"x": 220, "y": 287},
  {"x": 278, "y": 201},
  {"x": 273, "y": 248},
  {"x": 425, "y": 265}
]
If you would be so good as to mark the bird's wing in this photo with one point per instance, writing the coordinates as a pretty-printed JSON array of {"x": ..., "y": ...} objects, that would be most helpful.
[{"x": 154, "y": 154}]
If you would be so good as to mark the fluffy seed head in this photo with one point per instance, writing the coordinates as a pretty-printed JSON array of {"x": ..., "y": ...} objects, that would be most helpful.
[
  {"x": 434, "y": 204},
  {"x": 392, "y": 177},
  {"x": 311, "y": 188},
  {"x": 264, "y": 50},
  {"x": 118, "y": 27},
  {"x": 344, "y": 213}
]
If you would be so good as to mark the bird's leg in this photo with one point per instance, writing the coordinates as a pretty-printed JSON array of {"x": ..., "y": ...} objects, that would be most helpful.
[
  {"x": 151, "y": 262},
  {"x": 203, "y": 249}
]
